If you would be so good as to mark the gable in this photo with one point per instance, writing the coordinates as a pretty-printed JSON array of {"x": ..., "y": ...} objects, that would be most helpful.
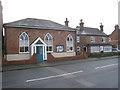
[{"x": 38, "y": 40}]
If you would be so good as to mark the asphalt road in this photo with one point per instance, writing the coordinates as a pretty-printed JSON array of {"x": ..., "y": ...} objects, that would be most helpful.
[{"x": 95, "y": 74}]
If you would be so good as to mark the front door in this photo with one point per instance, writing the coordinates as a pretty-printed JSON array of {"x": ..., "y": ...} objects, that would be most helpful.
[{"x": 39, "y": 51}]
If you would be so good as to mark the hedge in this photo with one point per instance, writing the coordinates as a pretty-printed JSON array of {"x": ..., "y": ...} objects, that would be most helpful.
[{"x": 104, "y": 54}]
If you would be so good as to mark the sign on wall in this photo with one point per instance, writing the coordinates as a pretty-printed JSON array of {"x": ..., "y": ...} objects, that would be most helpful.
[{"x": 60, "y": 48}]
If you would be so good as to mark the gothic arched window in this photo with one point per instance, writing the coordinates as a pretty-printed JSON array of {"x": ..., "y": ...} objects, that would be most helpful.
[
  {"x": 48, "y": 39},
  {"x": 69, "y": 42},
  {"x": 24, "y": 43}
]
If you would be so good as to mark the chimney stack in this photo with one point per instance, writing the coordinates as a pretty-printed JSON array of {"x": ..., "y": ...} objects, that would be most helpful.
[
  {"x": 66, "y": 22},
  {"x": 116, "y": 27},
  {"x": 101, "y": 27},
  {"x": 81, "y": 24}
]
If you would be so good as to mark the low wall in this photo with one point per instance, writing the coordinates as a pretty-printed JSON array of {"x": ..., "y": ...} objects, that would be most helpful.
[
  {"x": 15, "y": 57},
  {"x": 32, "y": 59},
  {"x": 64, "y": 54},
  {"x": 52, "y": 58}
]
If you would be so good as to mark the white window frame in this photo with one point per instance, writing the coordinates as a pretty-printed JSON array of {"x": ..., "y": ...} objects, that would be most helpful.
[
  {"x": 95, "y": 49},
  {"x": 24, "y": 42},
  {"x": 78, "y": 39},
  {"x": 48, "y": 41},
  {"x": 92, "y": 39},
  {"x": 69, "y": 43},
  {"x": 107, "y": 48},
  {"x": 78, "y": 48},
  {"x": 109, "y": 39},
  {"x": 103, "y": 39}
]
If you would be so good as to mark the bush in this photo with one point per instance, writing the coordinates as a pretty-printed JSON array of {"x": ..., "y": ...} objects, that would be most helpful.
[{"x": 104, "y": 54}]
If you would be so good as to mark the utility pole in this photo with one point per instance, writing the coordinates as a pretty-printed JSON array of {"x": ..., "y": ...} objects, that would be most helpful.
[{"x": 1, "y": 30}]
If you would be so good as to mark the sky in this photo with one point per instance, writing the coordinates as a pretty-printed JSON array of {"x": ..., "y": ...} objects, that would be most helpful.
[{"x": 93, "y": 12}]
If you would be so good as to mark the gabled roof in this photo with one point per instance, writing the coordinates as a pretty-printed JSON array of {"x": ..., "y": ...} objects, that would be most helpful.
[
  {"x": 38, "y": 24},
  {"x": 38, "y": 40},
  {"x": 91, "y": 31}
]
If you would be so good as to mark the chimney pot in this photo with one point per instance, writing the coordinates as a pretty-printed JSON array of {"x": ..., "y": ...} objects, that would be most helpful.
[
  {"x": 101, "y": 27},
  {"x": 81, "y": 24},
  {"x": 66, "y": 22},
  {"x": 116, "y": 27}
]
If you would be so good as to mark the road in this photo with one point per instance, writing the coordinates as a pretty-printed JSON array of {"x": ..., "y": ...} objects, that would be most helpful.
[{"x": 93, "y": 74}]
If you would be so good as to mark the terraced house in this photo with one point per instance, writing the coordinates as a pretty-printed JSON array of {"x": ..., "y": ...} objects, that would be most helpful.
[
  {"x": 33, "y": 40},
  {"x": 114, "y": 38},
  {"x": 92, "y": 40}
]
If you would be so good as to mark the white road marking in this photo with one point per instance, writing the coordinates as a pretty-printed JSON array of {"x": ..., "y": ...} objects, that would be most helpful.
[
  {"x": 54, "y": 76},
  {"x": 106, "y": 66}
]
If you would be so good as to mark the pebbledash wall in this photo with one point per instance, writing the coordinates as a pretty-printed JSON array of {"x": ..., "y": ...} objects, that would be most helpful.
[{"x": 12, "y": 50}]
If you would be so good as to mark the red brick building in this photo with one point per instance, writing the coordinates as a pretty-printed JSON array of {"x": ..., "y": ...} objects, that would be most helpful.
[
  {"x": 45, "y": 39},
  {"x": 35, "y": 40},
  {"x": 91, "y": 40},
  {"x": 114, "y": 37}
]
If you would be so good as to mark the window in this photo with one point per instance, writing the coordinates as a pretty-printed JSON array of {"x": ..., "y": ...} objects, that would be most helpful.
[
  {"x": 69, "y": 42},
  {"x": 107, "y": 48},
  {"x": 24, "y": 43},
  {"x": 109, "y": 39},
  {"x": 77, "y": 31},
  {"x": 78, "y": 38},
  {"x": 103, "y": 39},
  {"x": 95, "y": 49},
  {"x": 49, "y": 41},
  {"x": 92, "y": 39},
  {"x": 78, "y": 48}
]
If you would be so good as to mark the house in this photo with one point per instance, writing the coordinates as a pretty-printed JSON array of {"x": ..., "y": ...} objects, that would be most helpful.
[
  {"x": 91, "y": 40},
  {"x": 31, "y": 39},
  {"x": 114, "y": 38}
]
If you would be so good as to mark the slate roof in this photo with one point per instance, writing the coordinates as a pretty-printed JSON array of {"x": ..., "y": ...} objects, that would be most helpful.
[
  {"x": 38, "y": 24},
  {"x": 91, "y": 31}
]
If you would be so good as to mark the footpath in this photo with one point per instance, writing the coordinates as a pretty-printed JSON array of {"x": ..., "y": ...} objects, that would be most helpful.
[{"x": 51, "y": 64}]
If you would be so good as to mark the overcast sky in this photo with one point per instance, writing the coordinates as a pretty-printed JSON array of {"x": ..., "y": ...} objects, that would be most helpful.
[{"x": 93, "y": 12}]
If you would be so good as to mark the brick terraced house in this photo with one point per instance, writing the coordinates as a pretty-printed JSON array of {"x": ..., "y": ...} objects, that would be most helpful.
[
  {"x": 33, "y": 40},
  {"x": 114, "y": 38},
  {"x": 92, "y": 40}
]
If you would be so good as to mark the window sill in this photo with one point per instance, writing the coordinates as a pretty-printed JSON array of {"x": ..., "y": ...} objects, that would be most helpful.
[{"x": 24, "y": 52}]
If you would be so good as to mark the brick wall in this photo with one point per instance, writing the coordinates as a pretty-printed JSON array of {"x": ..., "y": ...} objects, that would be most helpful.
[
  {"x": 51, "y": 58},
  {"x": 84, "y": 40},
  {"x": 12, "y": 38},
  {"x": 32, "y": 60}
]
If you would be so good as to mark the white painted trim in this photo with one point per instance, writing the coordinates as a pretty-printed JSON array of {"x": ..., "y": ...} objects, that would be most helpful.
[
  {"x": 24, "y": 46},
  {"x": 49, "y": 45},
  {"x": 43, "y": 46},
  {"x": 70, "y": 45},
  {"x": 37, "y": 41}
]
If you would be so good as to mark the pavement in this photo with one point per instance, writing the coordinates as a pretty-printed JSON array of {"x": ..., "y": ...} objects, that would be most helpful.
[{"x": 51, "y": 64}]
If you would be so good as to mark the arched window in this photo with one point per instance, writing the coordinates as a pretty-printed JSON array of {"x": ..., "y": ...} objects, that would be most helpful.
[
  {"x": 24, "y": 43},
  {"x": 69, "y": 42},
  {"x": 48, "y": 39}
]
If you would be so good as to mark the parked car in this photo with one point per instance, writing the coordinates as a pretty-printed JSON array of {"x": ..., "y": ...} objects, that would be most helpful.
[{"x": 115, "y": 50}]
